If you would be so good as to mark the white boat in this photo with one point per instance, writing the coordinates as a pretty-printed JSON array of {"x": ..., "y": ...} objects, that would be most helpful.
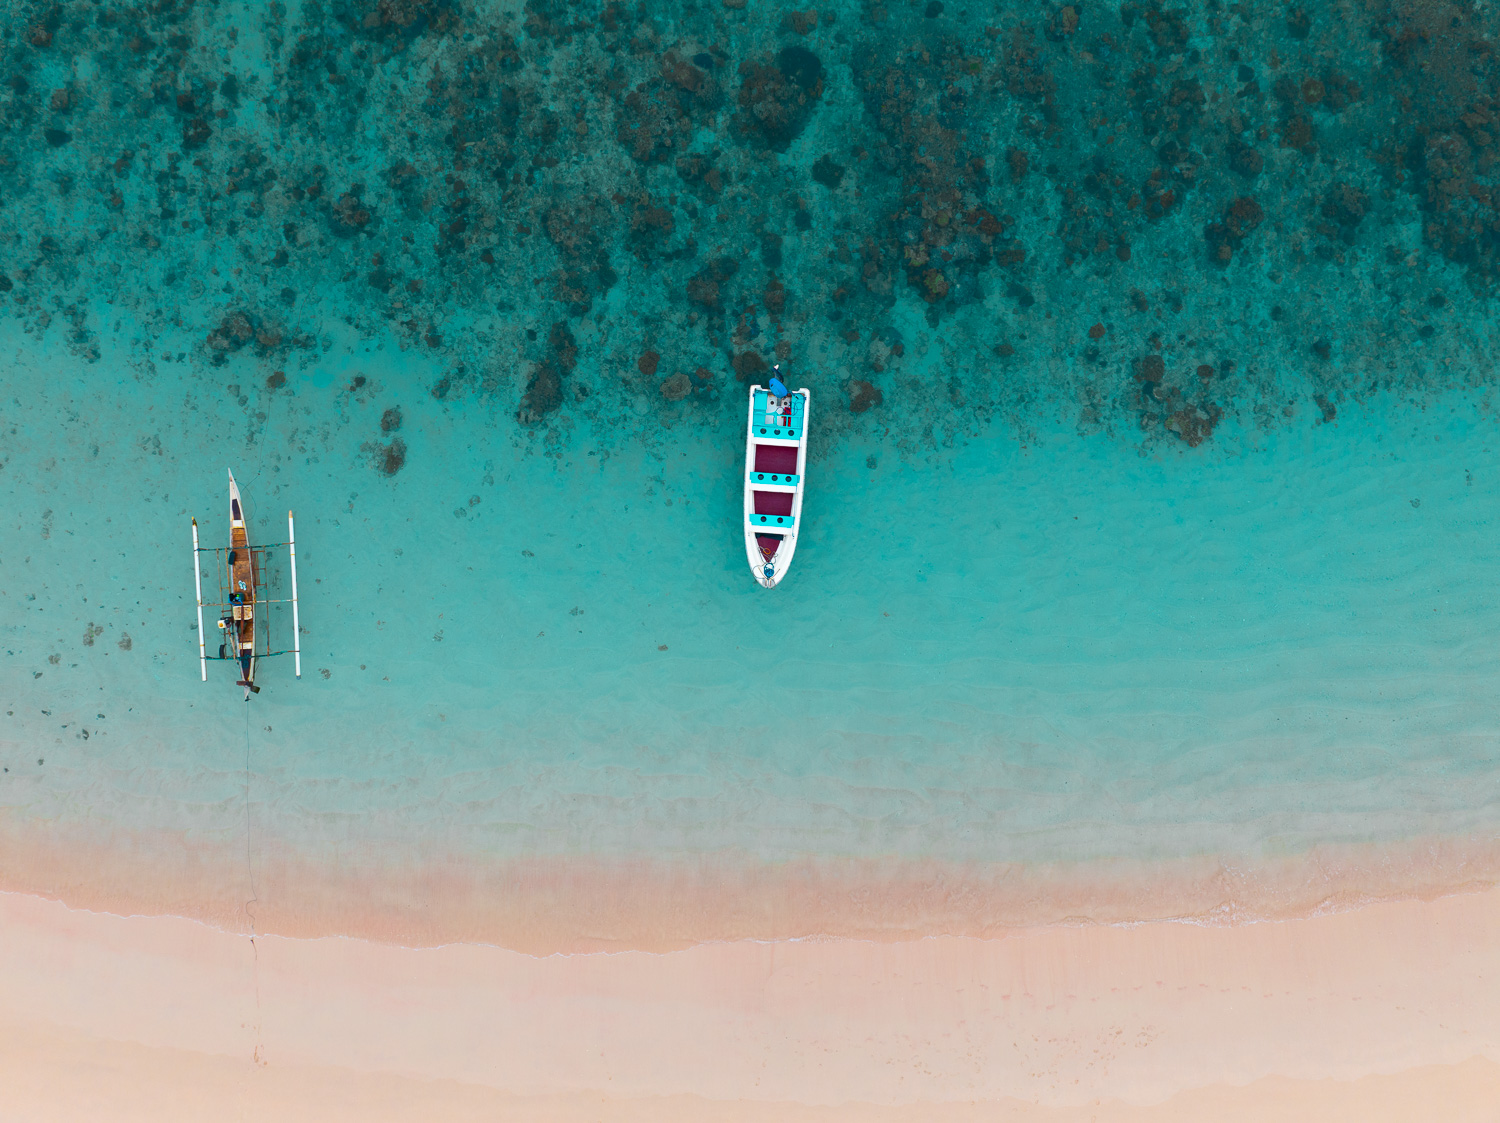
[{"x": 775, "y": 473}]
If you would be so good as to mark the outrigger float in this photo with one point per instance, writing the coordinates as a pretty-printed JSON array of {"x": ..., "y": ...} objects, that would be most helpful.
[
  {"x": 244, "y": 621},
  {"x": 775, "y": 472}
]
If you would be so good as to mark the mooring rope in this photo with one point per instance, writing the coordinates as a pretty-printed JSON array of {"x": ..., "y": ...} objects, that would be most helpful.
[
  {"x": 249, "y": 864},
  {"x": 261, "y": 443},
  {"x": 254, "y": 898}
]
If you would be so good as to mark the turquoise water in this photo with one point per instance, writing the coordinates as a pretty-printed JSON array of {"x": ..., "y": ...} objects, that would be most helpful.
[
  {"x": 1116, "y": 544},
  {"x": 1063, "y": 648}
]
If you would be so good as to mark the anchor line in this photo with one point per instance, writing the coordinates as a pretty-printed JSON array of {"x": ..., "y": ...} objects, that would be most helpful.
[
  {"x": 256, "y": 1056},
  {"x": 249, "y": 864},
  {"x": 260, "y": 463}
]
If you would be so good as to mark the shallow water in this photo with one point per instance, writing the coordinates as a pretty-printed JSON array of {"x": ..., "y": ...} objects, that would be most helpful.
[
  {"x": 1053, "y": 601},
  {"x": 1064, "y": 649}
]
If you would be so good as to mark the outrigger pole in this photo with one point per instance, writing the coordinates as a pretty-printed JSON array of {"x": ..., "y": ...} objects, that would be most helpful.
[
  {"x": 198, "y": 585},
  {"x": 291, "y": 541}
]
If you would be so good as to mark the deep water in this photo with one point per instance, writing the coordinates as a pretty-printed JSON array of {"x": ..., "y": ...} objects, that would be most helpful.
[{"x": 1153, "y": 460}]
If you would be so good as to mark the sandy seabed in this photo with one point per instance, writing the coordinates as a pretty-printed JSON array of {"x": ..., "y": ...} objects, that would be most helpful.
[{"x": 1386, "y": 1012}]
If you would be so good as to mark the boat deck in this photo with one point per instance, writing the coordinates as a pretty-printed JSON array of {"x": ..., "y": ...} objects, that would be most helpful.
[
  {"x": 773, "y": 474},
  {"x": 784, "y": 427},
  {"x": 774, "y": 480}
]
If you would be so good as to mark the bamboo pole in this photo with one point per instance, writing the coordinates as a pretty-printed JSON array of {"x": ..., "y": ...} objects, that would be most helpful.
[
  {"x": 291, "y": 542},
  {"x": 198, "y": 586}
]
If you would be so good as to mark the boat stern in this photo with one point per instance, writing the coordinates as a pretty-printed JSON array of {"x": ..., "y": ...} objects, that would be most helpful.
[{"x": 247, "y": 672}]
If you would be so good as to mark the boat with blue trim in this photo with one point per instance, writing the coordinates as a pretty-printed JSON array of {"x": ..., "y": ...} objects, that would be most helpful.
[{"x": 775, "y": 474}]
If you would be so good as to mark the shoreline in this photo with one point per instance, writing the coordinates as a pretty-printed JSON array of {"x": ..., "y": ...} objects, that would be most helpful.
[
  {"x": 1401, "y": 1000},
  {"x": 553, "y": 905}
]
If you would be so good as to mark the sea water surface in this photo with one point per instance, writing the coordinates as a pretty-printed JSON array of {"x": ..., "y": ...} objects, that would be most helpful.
[{"x": 1149, "y": 508}]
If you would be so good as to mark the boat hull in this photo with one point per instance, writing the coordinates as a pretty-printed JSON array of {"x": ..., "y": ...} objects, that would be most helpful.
[
  {"x": 244, "y": 581},
  {"x": 774, "y": 479}
]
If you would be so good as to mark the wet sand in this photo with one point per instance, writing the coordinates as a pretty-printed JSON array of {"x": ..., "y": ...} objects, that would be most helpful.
[
  {"x": 1380, "y": 1012},
  {"x": 549, "y": 905}
]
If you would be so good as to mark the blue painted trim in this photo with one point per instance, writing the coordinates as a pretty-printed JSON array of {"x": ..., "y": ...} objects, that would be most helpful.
[
  {"x": 774, "y": 478},
  {"x": 773, "y": 522}
]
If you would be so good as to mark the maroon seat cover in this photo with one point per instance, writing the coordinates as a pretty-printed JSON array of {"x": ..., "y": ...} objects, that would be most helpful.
[
  {"x": 781, "y": 459},
  {"x": 773, "y": 502}
]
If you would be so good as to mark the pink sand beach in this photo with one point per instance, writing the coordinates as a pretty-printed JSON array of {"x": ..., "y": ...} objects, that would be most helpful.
[{"x": 1386, "y": 1011}]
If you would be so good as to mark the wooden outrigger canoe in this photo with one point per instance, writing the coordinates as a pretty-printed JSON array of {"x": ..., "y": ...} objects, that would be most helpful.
[
  {"x": 775, "y": 474},
  {"x": 244, "y": 586},
  {"x": 242, "y": 603}
]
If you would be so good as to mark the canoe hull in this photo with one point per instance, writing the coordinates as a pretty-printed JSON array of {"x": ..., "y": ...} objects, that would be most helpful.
[{"x": 244, "y": 583}]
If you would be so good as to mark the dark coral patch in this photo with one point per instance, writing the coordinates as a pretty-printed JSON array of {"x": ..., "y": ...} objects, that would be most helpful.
[
  {"x": 1150, "y": 368},
  {"x": 239, "y": 329},
  {"x": 1194, "y": 424},
  {"x": 349, "y": 214},
  {"x": 586, "y": 271},
  {"x": 863, "y": 395},
  {"x": 776, "y": 100},
  {"x": 1238, "y": 219},
  {"x": 706, "y": 287},
  {"x": 657, "y": 118},
  {"x": 699, "y": 172},
  {"x": 1345, "y": 205},
  {"x": 749, "y": 366},
  {"x": 774, "y": 297},
  {"x": 1245, "y": 160},
  {"x": 543, "y": 393},
  {"x": 389, "y": 459},
  {"x": 544, "y": 390},
  {"x": 828, "y": 173}
]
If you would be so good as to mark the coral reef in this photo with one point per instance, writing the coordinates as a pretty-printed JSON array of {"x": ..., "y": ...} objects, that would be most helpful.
[
  {"x": 544, "y": 392},
  {"x": 387, "y": 459},
  {"x": 1064, "y": 204},
  {"x": 776, "y": 98},
  {"x": 677, "y": 387}
]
